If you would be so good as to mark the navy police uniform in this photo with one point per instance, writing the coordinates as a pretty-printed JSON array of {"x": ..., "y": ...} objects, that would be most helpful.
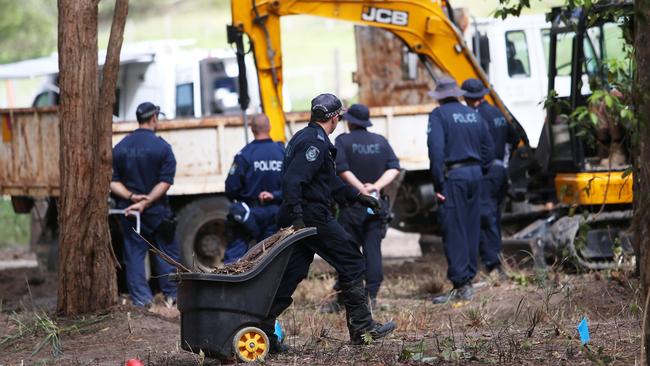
[
  {"x": 141, "y": 161},
  {"x": 495, "y": 185},
  {"x": 495, "y": 182},
  {"x": 310, "y": 187},
  {"x": 367, "y": 155},
  {"x": 256, "y": 168},
  {"x": 460, "y": 148}
]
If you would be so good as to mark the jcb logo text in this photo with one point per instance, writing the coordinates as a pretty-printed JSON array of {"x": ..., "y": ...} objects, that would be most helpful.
[{"x": 385, "y": 16}]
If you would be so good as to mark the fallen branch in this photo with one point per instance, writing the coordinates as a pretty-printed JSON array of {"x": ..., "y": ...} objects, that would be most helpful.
[
  {"x": 164, "y": 256},
  {"x": 253, "y": 256}
]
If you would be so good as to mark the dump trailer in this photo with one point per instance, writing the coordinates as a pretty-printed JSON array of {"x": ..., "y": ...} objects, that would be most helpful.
[{"x": 204, "y": 149}]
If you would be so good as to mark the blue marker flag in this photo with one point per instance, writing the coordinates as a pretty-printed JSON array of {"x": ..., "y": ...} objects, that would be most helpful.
[
  {"x": 278, "y": 331},
  {"x": 583, "y": 330}
]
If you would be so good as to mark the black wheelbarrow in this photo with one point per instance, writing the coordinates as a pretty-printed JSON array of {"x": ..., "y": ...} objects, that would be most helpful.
[{"x": 221, "y": 314}]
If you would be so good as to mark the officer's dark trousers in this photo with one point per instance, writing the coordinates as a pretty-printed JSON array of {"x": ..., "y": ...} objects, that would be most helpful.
[
  {"x": 460, "y": 218},
  {"x": 367, "y": 231},
  {"x": 262, "y": 225},
  {"x": 492, "y": 195},
  {"x": 135, "y": 250},
  {"x": 331, "y": 243}
]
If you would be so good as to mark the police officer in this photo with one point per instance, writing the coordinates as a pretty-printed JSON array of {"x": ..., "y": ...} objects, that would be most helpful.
[
  {"x": 143, "y": 170},
  {"x": 367, "y": 162},
  {"x": 310, "y": 184},
  {"x": 254, "y": 184},
  {"x": 495, "y": 182},
  {"x": 460, "y": 149}
]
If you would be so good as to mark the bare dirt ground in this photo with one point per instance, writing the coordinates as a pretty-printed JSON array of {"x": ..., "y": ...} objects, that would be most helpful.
[{"x": 530, "y": 319}]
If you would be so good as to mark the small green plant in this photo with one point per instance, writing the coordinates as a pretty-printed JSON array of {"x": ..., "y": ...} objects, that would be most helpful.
[
  {"x": 520, "y": 278},
  {"x": 46, "y": 325},
  {"x": 476, "y": 315},
  {"x": 634, "y": 309},
  {"x": 414, "y": 353},
  {"x": 367, "y": 338}
]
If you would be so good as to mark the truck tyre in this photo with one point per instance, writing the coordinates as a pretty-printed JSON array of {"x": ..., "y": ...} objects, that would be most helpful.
[
  {"x": 200, "y": 232},
  {"x": 431, "y": 245}
]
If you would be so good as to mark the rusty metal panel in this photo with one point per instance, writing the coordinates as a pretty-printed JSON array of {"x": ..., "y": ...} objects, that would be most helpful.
[
  {"x": 204, "y": 149},
  {"x": 380, "y": 73},
  {"x": 29, "y": 158},
  {"x": 197, "y": 159}
]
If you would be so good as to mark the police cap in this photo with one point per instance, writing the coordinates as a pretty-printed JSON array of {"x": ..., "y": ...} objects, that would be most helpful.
[
  {"x": 358, "y": 114},
  {"x": 325, "y": 106},
  {"x": 474, "y": 88},
  {"x": 145, "y": 110}
]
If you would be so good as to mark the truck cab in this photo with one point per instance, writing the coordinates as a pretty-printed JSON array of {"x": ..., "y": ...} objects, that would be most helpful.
[{"x": 185, "y": 83}]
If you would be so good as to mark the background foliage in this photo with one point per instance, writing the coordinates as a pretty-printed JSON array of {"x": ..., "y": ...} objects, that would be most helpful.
[{"x": 27, "y": 29}]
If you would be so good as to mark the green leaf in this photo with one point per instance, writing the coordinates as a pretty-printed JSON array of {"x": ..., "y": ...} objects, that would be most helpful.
[{"x": 609, "y": 101}]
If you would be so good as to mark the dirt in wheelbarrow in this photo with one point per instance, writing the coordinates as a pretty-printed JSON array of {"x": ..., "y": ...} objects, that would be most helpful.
[{"x": 529, "y": 319}]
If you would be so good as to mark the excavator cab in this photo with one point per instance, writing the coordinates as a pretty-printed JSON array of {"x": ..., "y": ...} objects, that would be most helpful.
[
  {"x": 583, "y": 167},
  {"x": 588, "y": 162}
]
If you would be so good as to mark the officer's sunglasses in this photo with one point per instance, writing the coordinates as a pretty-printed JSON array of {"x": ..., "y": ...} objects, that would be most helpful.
[{"x": 341, "y": 116}]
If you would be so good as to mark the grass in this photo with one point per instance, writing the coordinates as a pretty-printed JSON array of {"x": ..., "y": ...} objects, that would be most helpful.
[
  {"x": 505, "y": 324},
  {"x": 523, "y": 321},
  {"x": 14, "y": 228},
  {"x": 45, "y": 330}
]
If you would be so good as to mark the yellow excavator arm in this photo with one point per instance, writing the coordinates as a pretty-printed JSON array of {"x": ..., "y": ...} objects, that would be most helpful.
[{"x": 421, "y": 24}]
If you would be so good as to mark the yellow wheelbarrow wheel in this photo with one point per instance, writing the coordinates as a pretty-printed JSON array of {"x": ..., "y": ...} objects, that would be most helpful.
[{"x": 251, "y": 344}]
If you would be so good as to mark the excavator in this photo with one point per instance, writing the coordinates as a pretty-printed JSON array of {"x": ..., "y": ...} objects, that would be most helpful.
[
  {"x": 586, "y": 210},
  {"x": 422, "y": 25}
]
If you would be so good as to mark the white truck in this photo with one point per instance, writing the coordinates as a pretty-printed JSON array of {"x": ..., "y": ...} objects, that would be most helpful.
[{"x": 185, "y": 82}]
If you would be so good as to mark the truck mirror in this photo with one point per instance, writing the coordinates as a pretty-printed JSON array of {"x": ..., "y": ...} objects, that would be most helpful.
[{"x": 482, "y": 50}]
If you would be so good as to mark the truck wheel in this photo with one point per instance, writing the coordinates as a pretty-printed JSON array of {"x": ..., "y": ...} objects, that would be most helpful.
[
  {"x": 431, "y": 245},
  {"x": 200, "y": 231}
]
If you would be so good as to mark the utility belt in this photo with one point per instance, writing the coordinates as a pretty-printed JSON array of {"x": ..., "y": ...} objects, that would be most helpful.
[
  {"x": 461, "y": 164},
  {"x": 256, "y": 203}
]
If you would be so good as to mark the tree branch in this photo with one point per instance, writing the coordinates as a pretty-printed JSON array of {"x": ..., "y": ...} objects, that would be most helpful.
[{"x": 112, "y": 64}]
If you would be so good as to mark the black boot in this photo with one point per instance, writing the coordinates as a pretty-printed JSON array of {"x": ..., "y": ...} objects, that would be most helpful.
[
  {"x": 358, "y": 316},
  {"x": 275, "y": 346},
  {"x": 461, "y": 292}
]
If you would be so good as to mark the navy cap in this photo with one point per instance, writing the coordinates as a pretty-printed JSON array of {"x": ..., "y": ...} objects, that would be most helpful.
[
  {"x": 325, "y": 106},
  {"x": 359, "y": 115},
  {"x": 145, "y": 111},
  {"x": 446, "y": 87},
  {"x": 474, "y": 88}
]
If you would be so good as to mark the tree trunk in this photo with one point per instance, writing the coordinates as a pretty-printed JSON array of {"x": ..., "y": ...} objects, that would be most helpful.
[
  {"x": 87, "y": 280},
  {"x": 642, "y": 192}
]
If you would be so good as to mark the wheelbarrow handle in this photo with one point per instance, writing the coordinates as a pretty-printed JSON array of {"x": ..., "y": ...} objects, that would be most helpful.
[{"x": 115, "y": 211}]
